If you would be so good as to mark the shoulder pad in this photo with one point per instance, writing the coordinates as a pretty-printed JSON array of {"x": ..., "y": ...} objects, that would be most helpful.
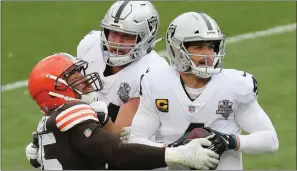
[
  {"x": 74, "y": 115},
  {"x": 42, "y": 124},
  {"x": 87, "y": 42},
  {"x": 246, "y": 85}
]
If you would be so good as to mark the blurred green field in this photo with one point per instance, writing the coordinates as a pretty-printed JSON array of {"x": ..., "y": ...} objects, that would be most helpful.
[{"x": 33, "y": 30}]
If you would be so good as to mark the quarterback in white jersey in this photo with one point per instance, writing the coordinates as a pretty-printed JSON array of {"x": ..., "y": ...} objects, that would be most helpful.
[
  {"x": 197, "y": 92},
  {"x": 122, "y": 52}
]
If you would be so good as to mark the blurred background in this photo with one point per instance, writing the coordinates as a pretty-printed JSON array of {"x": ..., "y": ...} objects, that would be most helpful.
[{"x": 33, "y": 30}]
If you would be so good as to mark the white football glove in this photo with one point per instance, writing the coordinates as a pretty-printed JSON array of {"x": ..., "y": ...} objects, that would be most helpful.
[
  {"x": 192, "y": 155},
  {"x": 99, "y": 106},
  {"x": 31, "y": 152},
  {"x": 124, "y": 134}
]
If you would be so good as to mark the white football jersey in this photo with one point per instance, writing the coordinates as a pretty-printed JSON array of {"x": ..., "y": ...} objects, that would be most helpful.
[
  {"x": 120, "y": 87},
  {"x": 217, "y": 107}
]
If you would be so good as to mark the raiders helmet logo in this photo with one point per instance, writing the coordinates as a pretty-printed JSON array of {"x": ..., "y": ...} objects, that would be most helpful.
[
  {"x": 170, "y": 32},
  {"x": 153, "y": 24}
]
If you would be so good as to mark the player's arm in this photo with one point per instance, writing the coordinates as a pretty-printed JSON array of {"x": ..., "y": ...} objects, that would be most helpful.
[
  {"x": 102, "y": 114},
  {"x": 105, "y": 146},
  {"x": 146, "y": 120},
  {"x": 100, "y": 144},
  {"x": 88, "y": 138},
  {"x": 262, "y": 137},
  {"x": 127, "y": 112}
]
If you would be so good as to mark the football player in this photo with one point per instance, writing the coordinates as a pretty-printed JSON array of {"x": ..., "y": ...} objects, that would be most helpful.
[
  {"x": 71, "y": 136},
  {"x": 121, "y": 51},
  {"x": 197, "y": 92}
]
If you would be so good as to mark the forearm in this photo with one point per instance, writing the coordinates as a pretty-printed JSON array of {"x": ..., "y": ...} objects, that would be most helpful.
[
  {"x": 112, "y": 128},
  {"x": 258, "y": 142},
  {"x": 137, "y": 156},
  {"x": 262, "y": 136},
  {"x": 104, "y": 146},
  {"x": 146, "y": 141},
  {"x": 132, "y": 156},
  {"x": 127, "y": 112}
]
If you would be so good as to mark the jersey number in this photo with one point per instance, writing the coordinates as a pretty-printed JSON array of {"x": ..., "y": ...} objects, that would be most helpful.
[{"x": 44, "y": 140}]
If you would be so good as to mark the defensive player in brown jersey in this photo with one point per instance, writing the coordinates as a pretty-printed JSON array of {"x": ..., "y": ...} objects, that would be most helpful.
[{"x": 70, "y": 135}]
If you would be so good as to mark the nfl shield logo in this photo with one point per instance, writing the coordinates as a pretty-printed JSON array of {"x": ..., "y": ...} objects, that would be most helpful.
[
  {"x": 88, "y": 132},
  {"x": 191, "y": 109}
]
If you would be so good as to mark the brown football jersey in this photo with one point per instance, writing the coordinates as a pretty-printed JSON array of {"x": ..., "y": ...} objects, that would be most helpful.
[
  {"x": 71, "y": 138},
  {"x": 59, "y": 130}
]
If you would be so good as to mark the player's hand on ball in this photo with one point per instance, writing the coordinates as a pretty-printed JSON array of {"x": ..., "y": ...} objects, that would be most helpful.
[
  {"x": 222, "y": 142},
  {"x": 193, "y": 155},
  {"x": 186, "y": 138}
]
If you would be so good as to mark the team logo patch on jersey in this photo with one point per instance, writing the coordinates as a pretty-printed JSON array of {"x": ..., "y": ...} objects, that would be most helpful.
[
  {"x": 162, "y": 105},
  {"x": 225, "y": 108},
  {"x": 88, "y": 132},
  {"x": 124, "y": 91},
  {"x": 191, "y": 109}
]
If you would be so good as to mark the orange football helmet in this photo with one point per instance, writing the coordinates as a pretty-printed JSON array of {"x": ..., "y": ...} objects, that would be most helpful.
[{"x": 48, "y": 84}]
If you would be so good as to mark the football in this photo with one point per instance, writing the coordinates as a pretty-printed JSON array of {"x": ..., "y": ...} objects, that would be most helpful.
[{"x": 198, "y": 133}]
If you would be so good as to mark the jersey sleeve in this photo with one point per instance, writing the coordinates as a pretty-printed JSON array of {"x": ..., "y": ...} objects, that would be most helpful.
[
  {"x": 43, "y": 124},
  {"x": 89, "y": 50},
  {"x": 84, "y": 45},
  {"x": 154, "y": 62},
  {"x": 72, "y": 116},
  {"x": 247, "y": 90},
  {"x": 136, "y": 91},
  {"x": 146, "y": 120},
  {"x": 92, "y": 141},
  {"x": 262, "y": 137}
]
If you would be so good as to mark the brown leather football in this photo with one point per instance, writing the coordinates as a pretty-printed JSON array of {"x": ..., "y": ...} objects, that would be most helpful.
[{"x": 198, "y": 133}]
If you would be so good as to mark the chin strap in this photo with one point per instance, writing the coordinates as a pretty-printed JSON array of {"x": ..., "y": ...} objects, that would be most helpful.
[
  {"x": 66, "y": 98},
  {"x": 87, "y": 98},
  {"x": 157, "y": 41}
]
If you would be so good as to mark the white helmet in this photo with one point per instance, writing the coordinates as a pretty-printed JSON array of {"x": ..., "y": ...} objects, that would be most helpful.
[
  {"x": 192, "y": 27},
  {"x": 138, "y": 18}
]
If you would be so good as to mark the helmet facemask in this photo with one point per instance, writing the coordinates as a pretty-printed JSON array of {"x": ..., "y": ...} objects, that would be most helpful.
[
  {"x": 85, "y": 86},
  {"x": 118, "y": 54},
  {"x": 208, "y": 65}
]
